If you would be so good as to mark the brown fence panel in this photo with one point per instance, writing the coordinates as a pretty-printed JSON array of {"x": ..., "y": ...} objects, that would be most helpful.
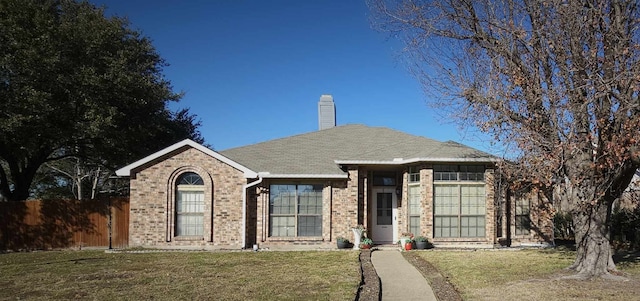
[
  {"x": 120, "y": 222},
  {"x": 44, "y": 224}
]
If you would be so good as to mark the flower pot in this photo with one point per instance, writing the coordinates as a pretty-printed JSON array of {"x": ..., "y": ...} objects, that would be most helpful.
[
  {"x": 408, "y": 246},
  {"x": 365, "y": 247},
  {"x": 421, "y": 245},
  {"x": 343, "y": 244}
]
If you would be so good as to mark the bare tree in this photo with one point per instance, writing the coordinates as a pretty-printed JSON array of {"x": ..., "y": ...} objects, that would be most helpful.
[
  {"x": 558, "y": 80},
  {"x": 79, "y": 174}
]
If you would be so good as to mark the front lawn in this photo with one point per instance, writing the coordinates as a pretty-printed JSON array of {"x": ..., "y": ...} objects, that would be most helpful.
[
  {"x": 179, "y": 275},
  {"x": 528, "y": 275}
]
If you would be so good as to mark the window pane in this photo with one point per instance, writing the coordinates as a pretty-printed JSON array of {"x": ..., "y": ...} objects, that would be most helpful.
[
  {"x": 471, "y": 173},
  {"x": 414, "y": 174},
  {"x": 282, "y": 199},
  {"x": 282, "y": 226},
  {"x": 384, "y": 208},
  {"x": 523, "y": 225},
  {"x": 472, "y": 226},
  {"x": 414, "y": 200},
  {"x": 310, "y": 226},
  {"x": 473, "y": 200},
  {"x": 310, "y": 199},
  {"x": 446, "y": 226},
  {"x": 446, "y": 199},
  {"x": 522, "y": 206},
  {"x": 445, "y": 173},
  {"x": 189, "y": 225},
  {"x": 190, "y": 178},
  {"x": 381, "y": 180},
  {"x": 414, "y": 225},
  {"x": 189, "y": 213},
  {"x": 523, "y": 220}
]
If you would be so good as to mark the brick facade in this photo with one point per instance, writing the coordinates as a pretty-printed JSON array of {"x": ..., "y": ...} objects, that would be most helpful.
[
  {"x": 152, "y": 195},
  {"x": 345, "y": 204}
]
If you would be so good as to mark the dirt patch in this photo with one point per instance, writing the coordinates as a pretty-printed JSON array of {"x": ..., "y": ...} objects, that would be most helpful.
[
  {"x": 370, "y": 283},
  {"x": 441, "y": 287}
]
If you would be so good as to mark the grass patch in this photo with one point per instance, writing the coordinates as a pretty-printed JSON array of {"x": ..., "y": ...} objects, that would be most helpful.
[
  {"x": 527, "y": 275},
  {"x": 179, "y": 275}
]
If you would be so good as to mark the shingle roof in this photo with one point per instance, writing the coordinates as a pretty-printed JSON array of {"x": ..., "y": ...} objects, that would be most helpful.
[{"x": 321, "y": 152}]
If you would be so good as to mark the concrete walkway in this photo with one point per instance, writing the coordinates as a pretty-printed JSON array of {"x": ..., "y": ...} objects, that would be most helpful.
[{"x": 400, "y": 280}]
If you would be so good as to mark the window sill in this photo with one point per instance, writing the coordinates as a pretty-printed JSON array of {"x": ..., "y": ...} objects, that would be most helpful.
[
  {"x": 459, "y": 239},
  {"x": 188, "y": 238},
  {"x": 293, "y": 238}
]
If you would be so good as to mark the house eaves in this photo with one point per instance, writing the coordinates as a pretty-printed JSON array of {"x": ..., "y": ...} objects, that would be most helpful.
[
  {"x": 400, "y": 161},
  {"x": 266, "y": 175},
  {"x": 126, "y": 171}
]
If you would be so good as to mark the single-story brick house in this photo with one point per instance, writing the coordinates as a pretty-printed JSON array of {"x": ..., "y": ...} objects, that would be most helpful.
[{"x": 309, "y": 189}]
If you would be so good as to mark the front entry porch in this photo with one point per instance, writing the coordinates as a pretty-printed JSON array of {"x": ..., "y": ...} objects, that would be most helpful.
[{"x": 384, "y": 215}]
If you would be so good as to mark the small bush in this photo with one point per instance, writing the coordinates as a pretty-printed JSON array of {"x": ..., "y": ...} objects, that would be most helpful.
[
  {"x": 563, "y": 226},
  {"x": 625, "y": 228}
]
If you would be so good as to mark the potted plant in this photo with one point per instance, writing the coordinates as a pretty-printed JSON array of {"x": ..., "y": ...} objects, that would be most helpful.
[
  {"x": 406, "y": 239},
  {"x": 366, "y": 243},
  {"x": 342, "y": 242},
  {"x": 422, "y": 243},
  {"x": 408, "y": 245}
]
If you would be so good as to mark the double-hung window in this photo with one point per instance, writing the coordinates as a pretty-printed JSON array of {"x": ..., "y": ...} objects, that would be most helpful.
[
  {"x": 189, "y": 205},
  {"x": 523, "y": 220},
  {"x": 295, "y": 210},
  {"x": 459, "y": 201}
]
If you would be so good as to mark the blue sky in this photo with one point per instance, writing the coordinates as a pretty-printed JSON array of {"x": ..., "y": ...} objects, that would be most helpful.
[{"x": 254, "y": 70}]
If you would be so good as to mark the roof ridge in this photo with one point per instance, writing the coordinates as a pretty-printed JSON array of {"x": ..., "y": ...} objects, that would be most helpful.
[{"x": 296, "y": 136}]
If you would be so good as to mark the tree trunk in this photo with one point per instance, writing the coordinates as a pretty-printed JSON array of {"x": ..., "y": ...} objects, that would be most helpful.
[{"x": 594, "y": 254}]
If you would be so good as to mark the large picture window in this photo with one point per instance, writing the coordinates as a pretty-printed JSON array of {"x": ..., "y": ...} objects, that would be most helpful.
[
  {"x": 295, "y": 210},
  {"x": 189, "y": 205},
  {"x": 459, "y": 201}
]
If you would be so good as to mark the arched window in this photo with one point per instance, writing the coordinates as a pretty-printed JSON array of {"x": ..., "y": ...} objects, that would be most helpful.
[{"x": 189, "y": 205}]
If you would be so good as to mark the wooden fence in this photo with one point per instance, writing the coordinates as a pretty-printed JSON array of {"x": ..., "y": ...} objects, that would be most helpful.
[{"x": 51, "y": 224}]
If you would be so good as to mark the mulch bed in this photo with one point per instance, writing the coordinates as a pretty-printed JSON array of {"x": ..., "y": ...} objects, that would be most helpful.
[
  {"x": 441, "y": 287},
  {"x": 370, "y": 283}
]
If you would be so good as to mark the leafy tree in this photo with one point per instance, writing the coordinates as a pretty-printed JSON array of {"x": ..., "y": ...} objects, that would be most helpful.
[
  {"x": 74, "y": 83},
  {"x": 557, "y": 81}
]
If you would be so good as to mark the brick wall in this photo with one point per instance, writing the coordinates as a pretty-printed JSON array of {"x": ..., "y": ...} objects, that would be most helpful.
[{"x": 153, "y": 196}]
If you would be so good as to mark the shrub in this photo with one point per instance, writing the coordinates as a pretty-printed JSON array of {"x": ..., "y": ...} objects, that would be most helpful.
[{"x": 563, "y": 226}]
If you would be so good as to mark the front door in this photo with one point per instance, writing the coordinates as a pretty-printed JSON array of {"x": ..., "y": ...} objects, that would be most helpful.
[{"x": 384, "y": 211}]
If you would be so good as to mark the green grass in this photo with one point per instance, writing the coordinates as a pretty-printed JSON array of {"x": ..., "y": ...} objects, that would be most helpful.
[
  {"x": 528, "y": 275},
  {"x": 179, "y": 275}
]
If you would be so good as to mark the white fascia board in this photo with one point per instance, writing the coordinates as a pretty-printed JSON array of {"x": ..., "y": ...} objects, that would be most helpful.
[
  {"x": 266, "y": 175},
  {"x": 398, "y": 161},
  {"x": 126, "y": 171}
]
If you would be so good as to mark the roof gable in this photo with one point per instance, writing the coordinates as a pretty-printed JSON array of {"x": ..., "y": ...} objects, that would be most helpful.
[{"x": 126, "y": 171}]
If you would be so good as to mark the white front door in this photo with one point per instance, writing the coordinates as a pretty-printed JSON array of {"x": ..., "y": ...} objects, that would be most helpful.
[{"x": 384, "y": 212}]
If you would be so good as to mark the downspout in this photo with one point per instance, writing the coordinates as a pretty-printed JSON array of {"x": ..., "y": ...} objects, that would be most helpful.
[{"x": 244, "y": 208}]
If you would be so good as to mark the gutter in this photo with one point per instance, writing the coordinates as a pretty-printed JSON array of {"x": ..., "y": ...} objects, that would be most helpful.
[
  {"x": 244, "y": 208},
  {"x": 267, "y": 175},
  {"x": 401, "y": 161}
]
